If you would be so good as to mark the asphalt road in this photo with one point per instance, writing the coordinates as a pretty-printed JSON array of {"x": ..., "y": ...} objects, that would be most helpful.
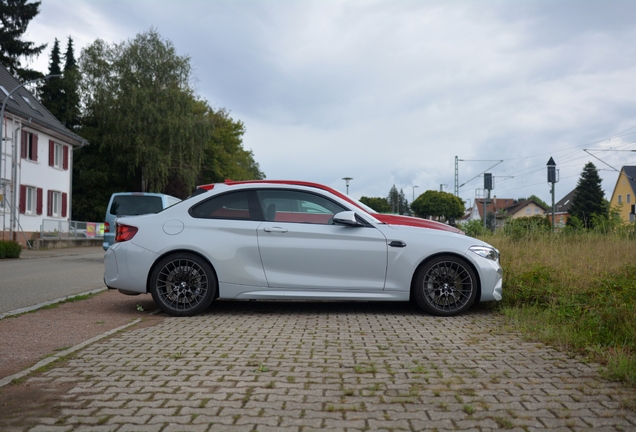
[{"x": 41, "y": 276}]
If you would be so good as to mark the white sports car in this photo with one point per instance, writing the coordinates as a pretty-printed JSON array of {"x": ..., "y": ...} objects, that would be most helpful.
[{"x": 260, "y": 240}]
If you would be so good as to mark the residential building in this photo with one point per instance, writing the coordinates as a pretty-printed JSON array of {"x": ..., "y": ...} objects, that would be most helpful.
[
  {"x": 36, "y": 163},
  {"x": 623, "y": 197},
  {"x": 562, "y": 210},
  {"x": 503, "y": 209}
]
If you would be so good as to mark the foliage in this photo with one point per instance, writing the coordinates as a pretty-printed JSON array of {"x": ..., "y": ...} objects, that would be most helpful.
[
  {"x": 224, "y": 155},
  {"x": 588, "y": 199},
  {"x": 576, "y": 290},
  {"x": 148, "y": 130},
  {"x": 526, "y": 227},
  {"x": 537, "y": 200},
  {"x": 474, "y": 228},
  {"x": 138, "y": 93},
  {"x": 16, "y": 16},
  {"x": 443, "y": 206},
  {"x": 381, "y": 205},
  {"x": 51, "y": 93},
  {"x": 397, "y": 201},
  {"x": 10, "y": 249}
]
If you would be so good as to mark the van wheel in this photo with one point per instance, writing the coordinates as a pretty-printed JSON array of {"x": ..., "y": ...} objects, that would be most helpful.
[{"x": 183, "y": 284}]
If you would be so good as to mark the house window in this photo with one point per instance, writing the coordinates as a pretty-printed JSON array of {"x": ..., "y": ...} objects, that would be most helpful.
[
  {"x": 629, "y": 198},
  {"x": 58, "y": 155},
  {"x": 56, "y": 204},
  {"x": 536, "y": 211},
  {"x": 29, "y": 146},
  {"x": 30, "y": 200},
  {"x": 527, "y": 211},
  {"x": 620, "y": 199}
]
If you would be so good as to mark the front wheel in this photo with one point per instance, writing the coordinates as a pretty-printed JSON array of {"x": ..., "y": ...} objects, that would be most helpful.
[
  {"x": 445, "y": 286},
  {"x": 183, "y": 284}
]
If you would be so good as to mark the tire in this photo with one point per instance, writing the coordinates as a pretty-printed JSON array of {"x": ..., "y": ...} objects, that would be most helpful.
[
  {"x": 445, "y": 286},
  {"x": 183, "y": 284}
]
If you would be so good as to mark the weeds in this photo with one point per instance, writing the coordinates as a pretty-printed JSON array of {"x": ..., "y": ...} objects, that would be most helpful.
[{"x": 576, "y": 291}]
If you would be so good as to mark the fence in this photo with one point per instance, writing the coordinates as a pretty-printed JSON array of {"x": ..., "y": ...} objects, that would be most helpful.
[{"x": 52, "y": 228}]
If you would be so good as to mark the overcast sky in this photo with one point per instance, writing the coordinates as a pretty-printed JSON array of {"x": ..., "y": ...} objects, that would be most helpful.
[{"x": 390, "y": 92}]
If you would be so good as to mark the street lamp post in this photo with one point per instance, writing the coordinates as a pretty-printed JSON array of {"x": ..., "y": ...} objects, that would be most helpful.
[
  {"x": 347, "y": 180},
  {"x": 415, "y": 186},
  {"x": 14, "y": 154}
]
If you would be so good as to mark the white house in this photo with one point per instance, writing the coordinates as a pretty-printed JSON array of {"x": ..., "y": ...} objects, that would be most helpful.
[{"x": 36, "y": 163}]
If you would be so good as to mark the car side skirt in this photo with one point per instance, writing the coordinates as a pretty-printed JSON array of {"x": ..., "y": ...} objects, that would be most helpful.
[{"x": 242, "y": 292}]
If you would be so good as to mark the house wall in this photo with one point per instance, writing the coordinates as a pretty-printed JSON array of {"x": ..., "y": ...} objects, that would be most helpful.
[
  {"x": 530, "y": 210},
  {"x": 624, "y": 190},
  {"x": 37, "y": 174}
]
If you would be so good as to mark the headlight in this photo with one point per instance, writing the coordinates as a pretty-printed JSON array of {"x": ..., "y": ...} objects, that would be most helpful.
[{"x": 486, "y": 252}]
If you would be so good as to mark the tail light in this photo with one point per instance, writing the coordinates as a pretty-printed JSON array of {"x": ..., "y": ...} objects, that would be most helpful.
[
  {"x": 125, "y": 232},
  {"x": 106, "y": 227}
]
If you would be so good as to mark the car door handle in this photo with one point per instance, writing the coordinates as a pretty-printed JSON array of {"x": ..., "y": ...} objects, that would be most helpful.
[
  {"x": 397, "y": 243},
  {"x": 275, "y": 229}
]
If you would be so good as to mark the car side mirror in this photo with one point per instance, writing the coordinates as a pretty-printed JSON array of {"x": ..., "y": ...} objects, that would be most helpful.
[{"x": 347, "y": 218}]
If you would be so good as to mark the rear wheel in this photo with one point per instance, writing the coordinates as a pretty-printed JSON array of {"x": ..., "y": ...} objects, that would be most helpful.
[
  {"x": 445, "y": 286},
  {"x": 183, "y": 284}
]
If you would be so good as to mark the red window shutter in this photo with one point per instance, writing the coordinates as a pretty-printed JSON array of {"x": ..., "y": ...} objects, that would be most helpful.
[
  {"x": 51, "y": 153},
  {"x": 25, "y": 143},
  {"x": 23, "y": 199},
  {"x": 65, "y": 154},
  {"x": 34, "y": 142},
  {"x": 64, "y": 203},
  {"x": 38, "y": 210},
  {"x": 49, "y": 203}
]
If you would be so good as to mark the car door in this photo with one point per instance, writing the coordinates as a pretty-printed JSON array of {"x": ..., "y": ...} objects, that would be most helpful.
[
  {"x": 300, "y": 248},
  {"x": 225, "y": 227}
]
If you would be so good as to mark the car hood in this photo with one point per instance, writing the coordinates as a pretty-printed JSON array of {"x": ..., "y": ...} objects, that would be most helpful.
[{"x": 391, "y": 219}]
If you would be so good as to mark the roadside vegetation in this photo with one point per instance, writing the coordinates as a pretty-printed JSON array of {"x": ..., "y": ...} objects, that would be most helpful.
[{"x": 574, "y": 289}]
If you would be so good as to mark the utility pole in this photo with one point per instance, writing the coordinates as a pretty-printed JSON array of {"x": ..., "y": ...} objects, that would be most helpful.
[{"x": 552, "y": 179}]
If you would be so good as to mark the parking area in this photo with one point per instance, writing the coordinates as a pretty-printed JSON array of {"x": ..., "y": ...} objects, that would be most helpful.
[{"x": 294, "y": 366}]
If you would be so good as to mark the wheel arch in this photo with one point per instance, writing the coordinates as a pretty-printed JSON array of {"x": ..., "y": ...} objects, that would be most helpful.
[
  {"x": 176, "y": 252},
  {"x": 437, "y": 255}
]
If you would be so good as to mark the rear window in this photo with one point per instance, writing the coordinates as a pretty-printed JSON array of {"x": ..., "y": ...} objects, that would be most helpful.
[{"x": 131, "y": 205}]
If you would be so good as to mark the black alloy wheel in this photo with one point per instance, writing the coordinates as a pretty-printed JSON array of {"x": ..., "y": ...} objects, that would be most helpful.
[
  {"x": 445, "y": 286},
  {"x": 183, "y": 284}
]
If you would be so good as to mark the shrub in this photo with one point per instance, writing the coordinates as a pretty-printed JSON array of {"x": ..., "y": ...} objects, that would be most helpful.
[{"x": 10, "y": 249}]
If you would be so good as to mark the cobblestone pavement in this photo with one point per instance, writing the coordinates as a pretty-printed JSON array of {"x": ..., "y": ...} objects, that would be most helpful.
[{"x": 290, "y": 366}]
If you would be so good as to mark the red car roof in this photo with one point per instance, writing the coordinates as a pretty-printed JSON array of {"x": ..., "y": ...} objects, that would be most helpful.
[{"x": 389, "y": 219}]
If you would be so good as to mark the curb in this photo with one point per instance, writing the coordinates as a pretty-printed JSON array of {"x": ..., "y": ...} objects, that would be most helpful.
[{"x": 47, "y": 303}]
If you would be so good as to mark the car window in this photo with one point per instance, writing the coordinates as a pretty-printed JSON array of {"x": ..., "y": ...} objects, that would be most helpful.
[
  {"x": 296, "y": 206},
  {"x": 131, "y": 205},
  {"x": 234, "y": 205}
]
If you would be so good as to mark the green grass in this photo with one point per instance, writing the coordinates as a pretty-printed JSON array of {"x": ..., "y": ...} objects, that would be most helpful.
[{"x": 576, "y": 292}]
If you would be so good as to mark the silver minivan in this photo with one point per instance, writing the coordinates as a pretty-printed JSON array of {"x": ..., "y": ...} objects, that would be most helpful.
[{"x": 132, "y": 204}]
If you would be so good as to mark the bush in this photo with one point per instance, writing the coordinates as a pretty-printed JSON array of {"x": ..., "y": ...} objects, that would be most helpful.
[{"x": 10, "y": 249}]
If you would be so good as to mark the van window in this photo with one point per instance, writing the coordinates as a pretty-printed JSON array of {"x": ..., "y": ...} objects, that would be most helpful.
[{"x": 131, "y": 205}]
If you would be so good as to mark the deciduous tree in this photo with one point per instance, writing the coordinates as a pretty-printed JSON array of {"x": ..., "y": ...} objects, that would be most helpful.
[
  {"x": 443, "y": 206},
  {"x": 381, "y": 205}
]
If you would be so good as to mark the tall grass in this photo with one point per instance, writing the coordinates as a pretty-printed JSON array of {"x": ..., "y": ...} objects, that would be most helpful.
[{"x": 576, "y": 291}]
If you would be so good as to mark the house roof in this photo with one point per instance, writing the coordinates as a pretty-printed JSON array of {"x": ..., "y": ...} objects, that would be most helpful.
[
  {"x": 563, "y": 205},
  {"x": 630, "y": 173},
  {"x": 23, "y": 104},
  {"x": 510, "y": 205}
]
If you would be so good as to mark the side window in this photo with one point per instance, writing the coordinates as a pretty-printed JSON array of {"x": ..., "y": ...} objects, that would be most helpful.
[
  {"x": 298, "y": 207},
  {"x": 233, "y": 205}
]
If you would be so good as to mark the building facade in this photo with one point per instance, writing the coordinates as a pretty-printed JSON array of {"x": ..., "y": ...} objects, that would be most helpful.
[{"x": 36, "y": 163}]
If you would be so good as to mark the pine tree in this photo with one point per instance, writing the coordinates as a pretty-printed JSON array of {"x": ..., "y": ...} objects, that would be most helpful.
[
  {"x": 15, "y": 16},
  {"x": 51, "y": 92},
  {"x": 70, "y": 84},
  {"x": 588, "y": 198}
]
